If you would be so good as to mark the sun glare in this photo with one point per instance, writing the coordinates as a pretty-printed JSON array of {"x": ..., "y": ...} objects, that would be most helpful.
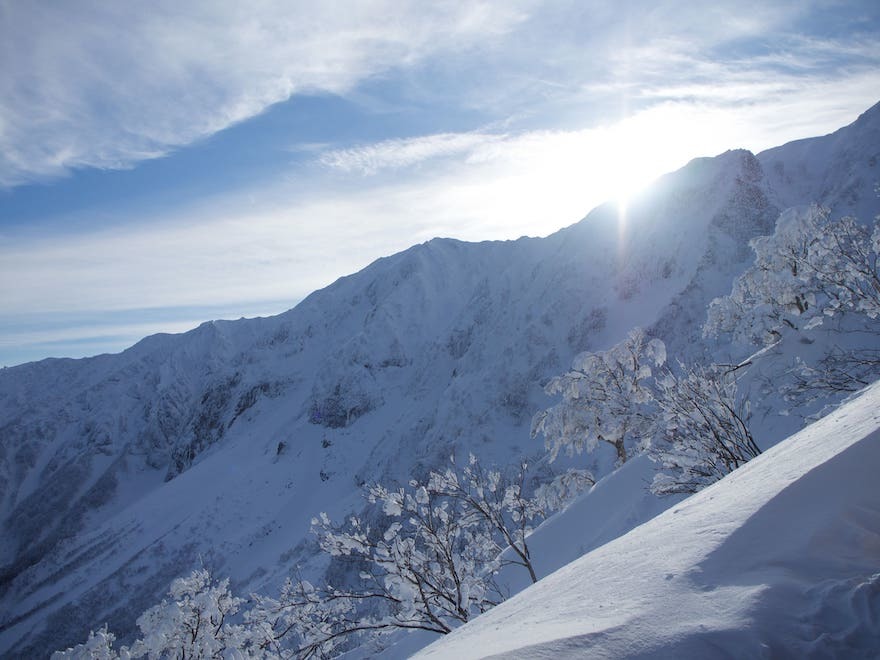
[
  {"x": 645, "y": 146},
  {"x": 536, "y": 182},
  {"x": 614, "y": 161}
]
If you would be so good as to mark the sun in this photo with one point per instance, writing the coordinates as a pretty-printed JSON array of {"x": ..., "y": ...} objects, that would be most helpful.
[
  {"x": 633, "y": 158},
  {"x": 642, "y": 147}
]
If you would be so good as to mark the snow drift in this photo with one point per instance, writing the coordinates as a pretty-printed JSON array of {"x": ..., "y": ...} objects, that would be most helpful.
[{"x": 778, "y": 559}]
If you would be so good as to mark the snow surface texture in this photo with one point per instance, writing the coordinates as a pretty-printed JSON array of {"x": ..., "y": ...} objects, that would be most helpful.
[
  {"x": 216, "y": 447},
  {"x": 779, "y": 559}
]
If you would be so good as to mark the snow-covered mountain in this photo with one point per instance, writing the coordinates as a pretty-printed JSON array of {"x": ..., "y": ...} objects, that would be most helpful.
[
  {"x": 217, "y": 446},
  {"x": 777, "y": 560}
]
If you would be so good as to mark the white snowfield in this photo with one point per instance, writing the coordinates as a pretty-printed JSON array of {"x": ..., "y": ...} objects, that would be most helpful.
[{"x": 781, "y": 559}]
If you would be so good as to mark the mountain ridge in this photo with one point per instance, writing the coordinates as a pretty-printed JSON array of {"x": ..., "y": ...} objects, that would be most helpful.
[{"x": 441, "y": 348}]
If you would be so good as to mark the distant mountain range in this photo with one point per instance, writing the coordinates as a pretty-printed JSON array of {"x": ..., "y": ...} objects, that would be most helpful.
[{"x": 217, "y": 446}]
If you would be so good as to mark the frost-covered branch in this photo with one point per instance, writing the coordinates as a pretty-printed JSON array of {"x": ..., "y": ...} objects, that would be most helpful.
[
  {"x": 839, "y": 371},
  {"x": 498, "y": 500},
  {"x": 810, "y": 268},
  {"x": 192, "y": 623},
  {"x": 703, "y": 429},
  {"x": 690, "y": 420},
  {"x": 605, "y": 399},
  {"x": 432, "y": 567}
]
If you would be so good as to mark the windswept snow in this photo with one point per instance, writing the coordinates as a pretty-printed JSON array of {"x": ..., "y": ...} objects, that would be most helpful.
[{"x": 779, "y": 559}]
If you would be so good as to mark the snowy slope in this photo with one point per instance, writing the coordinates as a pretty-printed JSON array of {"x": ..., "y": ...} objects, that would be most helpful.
[
  {"x": 119, "y": 473},
  {"x": 838, "y": 168},
  {"x": 779, "y": 559}
]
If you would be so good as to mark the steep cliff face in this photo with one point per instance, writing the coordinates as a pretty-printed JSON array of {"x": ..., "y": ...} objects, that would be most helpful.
[{"x": 120, "y": 472}]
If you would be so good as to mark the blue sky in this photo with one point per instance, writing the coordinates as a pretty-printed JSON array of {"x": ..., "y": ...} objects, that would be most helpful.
[{"x": 166, "y": 163}]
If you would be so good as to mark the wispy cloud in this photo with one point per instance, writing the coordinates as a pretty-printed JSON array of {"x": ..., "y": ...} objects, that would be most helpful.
[
  {"x": 396, "y": 153},
  {"x": 576, "y": 103},
  {"x": 273, "y": 243},
  {"x": 620, "y": 57},
  {"x": 110, "y": 84},
  {"x": 268, "y": 245}
]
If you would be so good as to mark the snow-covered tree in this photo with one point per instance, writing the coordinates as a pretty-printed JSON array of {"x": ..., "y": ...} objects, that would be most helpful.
[
  {"x": 428, "y": 564},
  {"x": 811, "y": 267},
  {"x": 604, "y": 399},
  {"x": 498, "y": 500},
  {"x": 99, "y": 646},
  {"x": 560, "y": 491},
  {"x": 703, "y": 431},
  {"x": 689, "y": 419},
  {"x": 192, "y": 623},
  {"x": 431, "y": 567}
]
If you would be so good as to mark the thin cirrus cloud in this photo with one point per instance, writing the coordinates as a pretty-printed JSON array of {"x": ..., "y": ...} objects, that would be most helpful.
[
  {"x": 269, "y": 244},
  {"x": 405, "y": 152},
  {"x": 107, "y": 85},
  {"x": 576, "y": 103}
]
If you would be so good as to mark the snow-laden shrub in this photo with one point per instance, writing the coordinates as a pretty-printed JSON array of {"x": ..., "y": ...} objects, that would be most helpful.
[
  {"x": 690, "y": 419},
  {"x": 812, "y": 267},
  {"x": 605, "y": 398},
  {"x": 193, "y": 622},
  {"x": 703, "y": 429}
]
